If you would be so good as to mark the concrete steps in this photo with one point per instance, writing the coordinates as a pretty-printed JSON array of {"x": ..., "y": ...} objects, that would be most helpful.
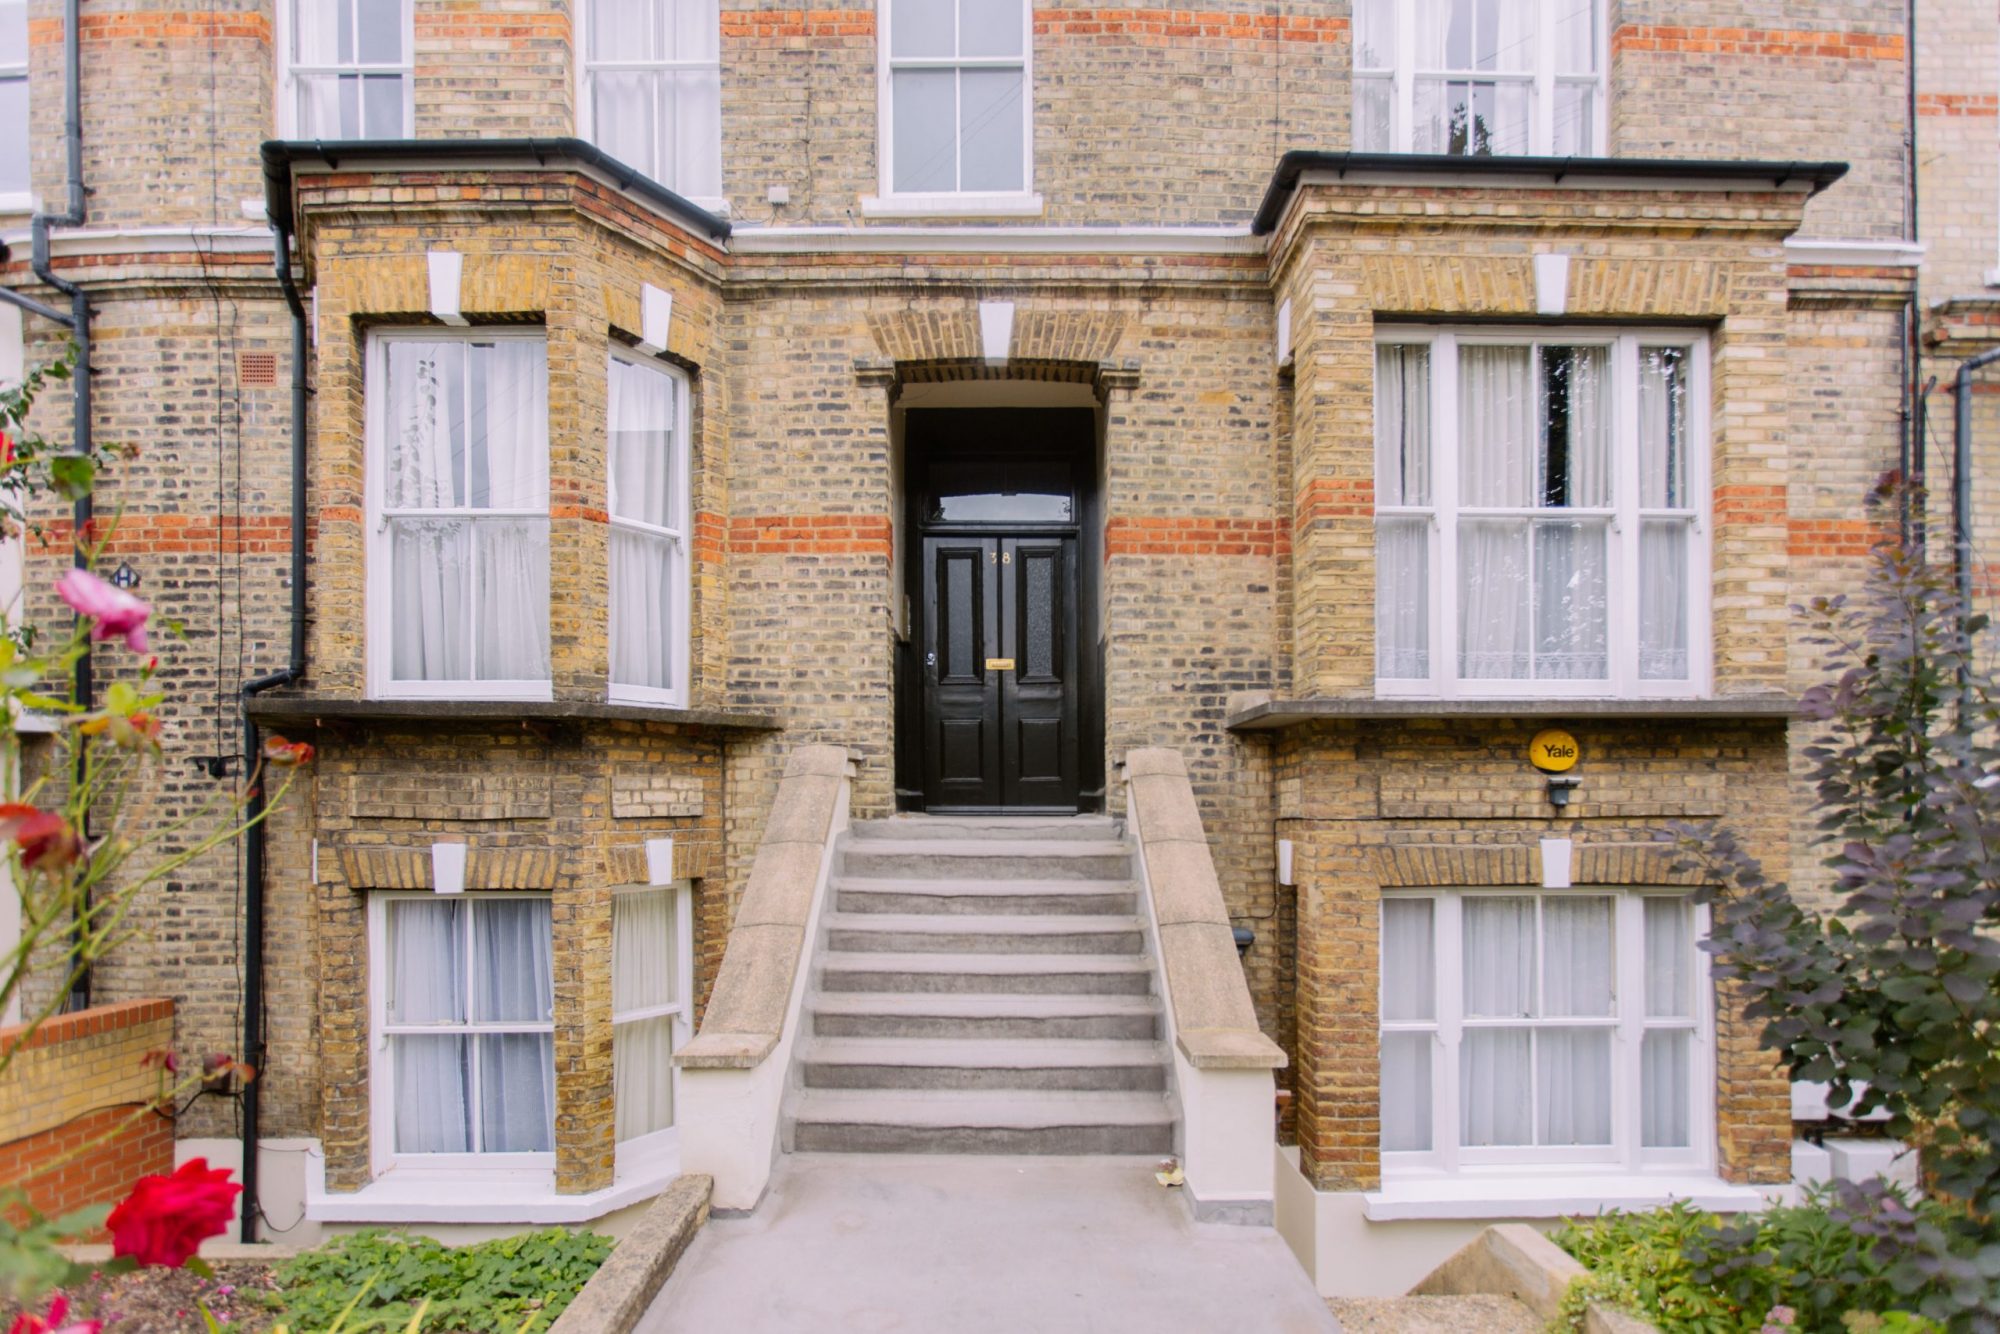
[{"x": 983, "y": 987}]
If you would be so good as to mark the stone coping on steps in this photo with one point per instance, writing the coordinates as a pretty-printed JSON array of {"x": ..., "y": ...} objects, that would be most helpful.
[
  {"x": 618, "y": 1294},
  {"x": 746, "y": 1011},
  {"x": 1514, "y": 1260},
  {"x": 1214, "y": 1021}
]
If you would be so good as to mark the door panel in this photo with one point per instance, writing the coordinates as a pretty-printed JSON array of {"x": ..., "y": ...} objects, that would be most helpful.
[
  {"x": 1038, "y": 699},
  {"x": 961, "y": 695}
]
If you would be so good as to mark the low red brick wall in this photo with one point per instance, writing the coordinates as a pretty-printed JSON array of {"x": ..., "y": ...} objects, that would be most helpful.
[{"x": 74, "y": 1124}]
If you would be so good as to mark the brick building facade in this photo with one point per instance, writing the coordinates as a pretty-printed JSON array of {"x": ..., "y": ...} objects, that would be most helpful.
[{"x": 1218, "y": 234}]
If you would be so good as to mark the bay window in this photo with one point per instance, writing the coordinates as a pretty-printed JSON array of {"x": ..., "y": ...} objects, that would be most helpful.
[
  {"x": 956, "y": 76},
  {"x": 458, "y": 486},
  {"x": 347, "y": 72},
  {"x": 1479, "y": 77},
  {"x": 464, "y": 1001},
  {"x": 652, "y": 972},
  {"x": 648, "y": 468},
  {"x": 652, "y": 89},
  {"x": 14, "y": 183},
  {"x": 1521, "y": 1027},
  {"x": 1539, "y": 514}
]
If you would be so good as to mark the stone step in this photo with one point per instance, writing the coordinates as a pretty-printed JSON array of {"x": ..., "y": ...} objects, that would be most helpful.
[
  {"x": 985, "y": 859},
  {"x": 903, "y": 1014},
  {"x": 980, "y": 1121},
  {"x": 992, "y": 828},
  {"x": 906, "y": 933},
  {"x": 931, "y": 1063},
  {"x": 991, "y": 974},
  {"x": 855, "y": 894}
]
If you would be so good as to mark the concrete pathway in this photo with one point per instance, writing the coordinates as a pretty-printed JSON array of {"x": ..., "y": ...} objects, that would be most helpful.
[{"x": 971, "y": 1245}]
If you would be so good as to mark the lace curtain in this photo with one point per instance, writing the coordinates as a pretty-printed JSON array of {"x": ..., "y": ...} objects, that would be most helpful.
[{"x": 643, "y": 979}]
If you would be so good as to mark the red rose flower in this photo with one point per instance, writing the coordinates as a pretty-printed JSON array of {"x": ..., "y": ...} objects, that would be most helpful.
[
  {"x": 41, "y": 835},
  {"x": 54, "y": 1322},
  {"x": 165, "y": 1219}
]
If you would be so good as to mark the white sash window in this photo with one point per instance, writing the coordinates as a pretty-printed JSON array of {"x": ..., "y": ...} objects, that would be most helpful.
[
  {"x": 1539, "y": 506},
  {"x": 652, "y": 90},
  {"x": 14, "y": 183},
  {"x": 648, "y": 466},
  {"x": 956, "y": 77},
  {"x": 347, "y": 71},
  {"x": 652, "y": 1003}
]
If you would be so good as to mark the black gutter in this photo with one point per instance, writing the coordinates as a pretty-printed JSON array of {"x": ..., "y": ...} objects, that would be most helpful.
[
  {"x": 279, "y": 156},
  {"x": 78, "y": 324},
  {"x": 253, "y": 745},
  {"x": 1558, "y": 170}
]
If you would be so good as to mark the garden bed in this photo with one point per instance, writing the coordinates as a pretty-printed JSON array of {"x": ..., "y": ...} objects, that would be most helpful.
[{"x": 242, "y": 1296}]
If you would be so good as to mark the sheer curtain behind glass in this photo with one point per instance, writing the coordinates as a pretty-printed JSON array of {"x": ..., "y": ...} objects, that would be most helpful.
[
  {"x": 1663, "y": 533},
  {"x": 1402, "y": 481},
  {"x": 645, "y": 997},
  {"x": 1475, "y": 62},
  {"x": 647, "y": 546},
  {"x": 465, "y": 502},
  {"x": 1497, "y": 470},
  {"x": 1666, "y": 1055},
  {"x": 14, "y": 96},
  {"x": 347, "y": 68},
  {"x": 654, "y": 79},
  {"x": 1409, "y": 996}
]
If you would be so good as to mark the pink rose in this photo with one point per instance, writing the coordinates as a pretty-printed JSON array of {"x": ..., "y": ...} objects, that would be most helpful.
[
  {"x": 115, "y": 611},
  {"x": 165, "y": 1218}
]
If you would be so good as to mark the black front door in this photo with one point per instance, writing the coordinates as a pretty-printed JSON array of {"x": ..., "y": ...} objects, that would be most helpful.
[{"x": 1000, "y": 672}]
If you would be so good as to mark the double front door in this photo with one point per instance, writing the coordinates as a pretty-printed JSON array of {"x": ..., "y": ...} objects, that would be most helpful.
[{"x": 1000, "y": 672}]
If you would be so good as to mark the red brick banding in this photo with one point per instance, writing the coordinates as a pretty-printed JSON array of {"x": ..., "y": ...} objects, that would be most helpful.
[
  {"x": 1958, "y": 104},
  {"x": 779, "y": 24},
  {"x": 1781, "y": 42},
  {"x": 1180, "y": 25},
  {"x": 1144, "y": 535},
  {"x": 811, "y": 535},
  {"x": 156, "y": 25}
]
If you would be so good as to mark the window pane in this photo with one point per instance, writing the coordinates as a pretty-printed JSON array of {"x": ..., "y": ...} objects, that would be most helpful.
[
  {"x": 926, "y": 110},
  {"x": 1402, "y": 599},
  {"x": 1574, "y": 428},
  {"x": 430, "y": 604},
  {"x": 1669, "y": 959},
  {"x": 643, "y": 413},
  {"x": 1499, "y": 949},
  {"x": 642, "y": 1076},
  {"x": 1406, "y": 1092},
  {"x": 1374, "y": 128},
  {"x": 921, "y": 28},
  {"x": 433, "y": 1077},
  {"x": 1575, "y": 37},
  {"x": 989, "y": 27},
  {"x": 1663, "y": 443},
  {"x": 1573, "y": 1086},
  {"x": 517, "y": 1092},
  {"x": 1403, "y": 425},
  {"x": 14, "y": 147},
  {"x": 425, "y": 422},
  {"x": 643, "y": 587},
  {"x": 1496, "y": 408},
  {"x": 1409, "y": 968},
  {"x": 13, "y": 32},
  {"x": 1493, "y": 599},
  {"x": 512, "y": 558},
  {"x": 1666, "y": 1058},
  {"x": 426, "y": 981},
  {"x": 1663, "y": 590},
  {"x": 382, "y": 106},
  {"x": 1575, "y": 133},
  {"x": 1578, "y": 957},
  {"x": 623, "y": 123},
  {"x": 513, "y": 975},
  {"x": 695, "y": 132},
  {"x": 990, "y": 102},
  {"x": 694, "y": 30},
  {"x": 1495, "y": 1099},
  {"x": 622, "y": 29},
  {"x": 1571, "y": 627},
  {"x": 381, "y": 32},
  {"x": 1472, "y": 119},
  {"x": 643, "y": 957},
  {"x": 1374, "y": 34},
  {"x": 508, "y": 425},
  {"x": 329, "y": 106}
]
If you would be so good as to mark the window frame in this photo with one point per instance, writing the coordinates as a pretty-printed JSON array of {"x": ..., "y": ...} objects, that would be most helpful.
[
  {"x": 1448, "y": 1158},
  {"x": 1543, "y": 80},
  {"x": 289, "y": 69},
  {"x": 21, "y": 199},
  {"x": 681, "y": 1009},
  {"x": 379, "y": 649},
  {"x": 383, "y": 1154},
  {"x": 586, "y": 111},
  {"x": 675, "y": 695},
  {"x": 1623, "y": 517},
  {"x": 888, "y": 201}
]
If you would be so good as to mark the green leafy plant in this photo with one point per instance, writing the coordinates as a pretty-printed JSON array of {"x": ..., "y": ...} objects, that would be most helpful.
[{"x": 377, "y": 1280}]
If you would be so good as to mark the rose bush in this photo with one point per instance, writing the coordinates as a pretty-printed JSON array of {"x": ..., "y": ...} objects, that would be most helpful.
[{"x": 166, "y": 1218}]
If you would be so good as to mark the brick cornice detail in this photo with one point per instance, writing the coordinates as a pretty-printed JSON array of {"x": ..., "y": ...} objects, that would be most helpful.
[
  {"x": 1166, "y": 535},
  {"x": 1781, "y": 42}
]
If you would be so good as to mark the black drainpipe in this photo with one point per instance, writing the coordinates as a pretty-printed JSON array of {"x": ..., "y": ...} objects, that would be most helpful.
[
  {"x": 294, "y": 668},
  {"x": 79, "y": 327}
]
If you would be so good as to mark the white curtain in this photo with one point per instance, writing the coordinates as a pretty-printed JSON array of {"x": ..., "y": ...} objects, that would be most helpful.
[
  {"x": 1409, "y": 968},
  {"x": 426, "y": 985},
  {"x": 1573, "y": 386},
  {"x": 1663, "y": 543},
  {"x": 1494, "y": 1094},
  {"x": 1578, "y": 957},
  {"x": 1662, "y": 426},
  {"x": 1497, "y": 468},
  {"x": 517, "y": 1092},
  {"x": 1402, "y": 598},
  {"x": 1669, "y": 959},
  {"x": 322, "y": 34},
  {"x": 1572, "y": 628},
  {"x": 513, "y": 980},
  {"x": 644, "y": 565},
  {"x": 1406, "y": 1092},
  {"x": 1665, "y": 1060},
  {"x": 642, "y": 417},
  {"x": 1573, "y": 1092},
  {"x": 694, "y": 100},
  {"x": 643, "y": 977},
  {"x": 1498, "y": 944},
  {"x": 430, "y": 559},
  {"x": 1403, "y": 425}
]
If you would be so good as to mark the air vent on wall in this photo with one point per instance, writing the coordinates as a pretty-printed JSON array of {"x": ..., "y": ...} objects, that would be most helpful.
[{"x": 256, "y": 368}]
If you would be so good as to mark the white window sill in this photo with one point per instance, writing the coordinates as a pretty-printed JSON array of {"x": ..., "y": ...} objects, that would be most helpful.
[
  {"x": 499, "y": 1195},
  {"x": 533, "y": 692},
  {"x": 952, "y": 206},
  {"x": 1551, "y": 1194},
  {"x": 16, "y": 202}
]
